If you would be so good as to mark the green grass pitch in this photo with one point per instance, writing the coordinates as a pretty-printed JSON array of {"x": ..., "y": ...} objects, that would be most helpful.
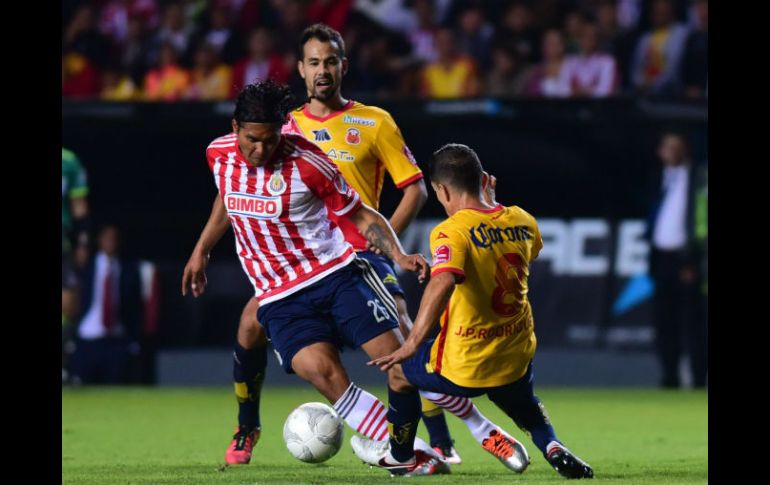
[{"x": 179, "y": 435}]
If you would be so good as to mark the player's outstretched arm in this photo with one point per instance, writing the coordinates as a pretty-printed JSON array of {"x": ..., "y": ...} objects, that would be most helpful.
[
  {"x": 413, "y": 199},
  {"x": 194, "y": 275},
  {"x": 434, "y": 301},
  {"x": 379, "y": 233}
]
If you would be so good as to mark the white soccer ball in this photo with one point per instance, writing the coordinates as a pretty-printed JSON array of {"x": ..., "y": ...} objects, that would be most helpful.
[{"x": 313, "y": 432}]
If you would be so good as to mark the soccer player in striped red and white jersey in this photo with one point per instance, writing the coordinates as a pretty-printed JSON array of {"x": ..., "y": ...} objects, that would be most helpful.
[{"x": 278, "y": 191}]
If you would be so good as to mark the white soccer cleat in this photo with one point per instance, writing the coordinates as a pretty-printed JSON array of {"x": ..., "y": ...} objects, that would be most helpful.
[
  {"x": 377, "y": 453},
  {"x": 449, "y": 453}
]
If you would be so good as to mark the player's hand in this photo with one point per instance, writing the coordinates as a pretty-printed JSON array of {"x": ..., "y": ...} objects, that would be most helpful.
[
  {"x": 489, "y": 189},
  {"x": 415, "y": 263},
  {"x": 371, "y": 247},
  {"x": 194, "y": 275},
  {"x": 403, "y": 353}
]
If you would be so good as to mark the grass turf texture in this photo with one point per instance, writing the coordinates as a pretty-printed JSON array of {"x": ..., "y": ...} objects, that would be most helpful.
[{"x": 179, "y": 435}]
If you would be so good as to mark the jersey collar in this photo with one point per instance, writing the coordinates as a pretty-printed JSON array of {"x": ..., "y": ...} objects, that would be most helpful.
[{"x": 331, "y": 115}]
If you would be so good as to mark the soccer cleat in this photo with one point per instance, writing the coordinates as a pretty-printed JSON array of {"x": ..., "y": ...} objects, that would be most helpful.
[
  {"x": 239, "y": 451},
  {"x": 568, "y": 465},
  {"x": 448, "y": 453},
  {"x": 377, "y": 453},
  {"x": 510, "y": 452}
]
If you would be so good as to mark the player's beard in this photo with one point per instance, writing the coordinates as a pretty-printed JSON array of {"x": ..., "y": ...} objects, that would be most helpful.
[{"x": 325, "y": 95}]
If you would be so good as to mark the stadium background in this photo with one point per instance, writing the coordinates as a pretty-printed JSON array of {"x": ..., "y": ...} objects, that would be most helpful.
[{"x": 583, "y": 168}]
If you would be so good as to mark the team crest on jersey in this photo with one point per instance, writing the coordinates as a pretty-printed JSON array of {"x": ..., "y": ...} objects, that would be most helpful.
[
  {"x": 340, "y": 184},
  {"x": 409, "y": 156},
  {"x": 250, "y": 205},
  {"x": 353, "y": 136},
  {"x": 442, "y": 254},
  {"x": 322, "y": 135},
  {"x": 276, "y": 185}
]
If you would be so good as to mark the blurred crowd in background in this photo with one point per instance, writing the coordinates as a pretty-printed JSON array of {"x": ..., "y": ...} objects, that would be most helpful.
[{"x": 156, "y": 50}]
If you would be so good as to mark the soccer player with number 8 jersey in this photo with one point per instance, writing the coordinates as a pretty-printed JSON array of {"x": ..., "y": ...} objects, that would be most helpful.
[{"x": 478, "y": 292}]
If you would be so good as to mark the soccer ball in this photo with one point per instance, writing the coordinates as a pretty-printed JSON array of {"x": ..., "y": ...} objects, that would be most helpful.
[{"x": 313, "y": 432}]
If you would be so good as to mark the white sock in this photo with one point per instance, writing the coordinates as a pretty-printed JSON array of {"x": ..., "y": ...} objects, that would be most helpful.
[
  {"x": 553, "y": 444},
  {"x": 363, "y": 412},
  {"x": 463, "y": 408}
]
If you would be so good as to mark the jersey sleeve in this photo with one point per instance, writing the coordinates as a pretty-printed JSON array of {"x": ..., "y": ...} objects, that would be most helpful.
[
  {"x": 537, "y": 238},
  {"x": 324, "y": 179},
  {"x": 392, "y": 151},
  {"x": 449, "y": 249}
]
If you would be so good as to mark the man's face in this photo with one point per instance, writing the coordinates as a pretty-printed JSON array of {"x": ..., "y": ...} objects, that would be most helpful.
[
  {"x": 109, "y": 241},
  {"x": 322, "y": 68},
  {"x": 672, "y": 150},
  {"x": 257, "y": 141}
]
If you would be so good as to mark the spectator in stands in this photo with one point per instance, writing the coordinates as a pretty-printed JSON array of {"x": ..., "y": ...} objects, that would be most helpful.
[
  {"x": 211, "y": 79},
  {"x": 674, "y": 265},
  {"x": 79, "y": 77},
  {"x": 292, "y": 20},
  {"x": 221, "y": 34},
  {"x": 333, "y": 13},
  {"x": 422, "y": 37},
  {"x": 591, "y": 73},
  {"x": 174, "y": 30},
  {"x": 81, "y": 35},
  {"x": 474, "y": 38},
  {"x": 695, "y": 62},
  {"x": 518, "y": 30},
  {"x": 607, "y": 24},
  {"x": 115, "y": 15},
  {"x": 655, "y": 68},
  {"x": 169, "y": 81},
  {"x": 508, "y": 76},
  {"x": 452, "y": 75},
  {"x": 133, "y": 51},
  {"x": 573, "y": 27},
  {"x": 394, "y": 15},
  {"x": 262, "y": 62},
  {"x": 550, "y": 78},
  {"x": 118, "y": 86},
  {"x": 108, "y": 332}
]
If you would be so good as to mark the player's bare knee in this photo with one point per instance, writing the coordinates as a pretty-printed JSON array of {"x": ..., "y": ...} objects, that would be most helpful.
[
  {"x": 397, "y": 380},
  {"x": 250, "y": 332}
]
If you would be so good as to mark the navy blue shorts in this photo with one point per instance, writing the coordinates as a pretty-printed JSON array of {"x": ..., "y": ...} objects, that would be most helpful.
[
  {"x": 417, "y": 374},
  {"x": 385, "y": 270},
  {"x": 346, "y": 308}
]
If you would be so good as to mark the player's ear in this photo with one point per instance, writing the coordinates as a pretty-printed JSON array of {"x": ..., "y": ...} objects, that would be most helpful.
[
  {"x": 484, "y": 180},
  {"x": 234, "y": 124},
  {"x": 344, "y": 65},
  {"x": 301, "y": 68}
]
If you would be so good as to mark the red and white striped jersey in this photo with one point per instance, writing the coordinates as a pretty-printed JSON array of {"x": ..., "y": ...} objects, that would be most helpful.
[{"x": 280, "y": 213}]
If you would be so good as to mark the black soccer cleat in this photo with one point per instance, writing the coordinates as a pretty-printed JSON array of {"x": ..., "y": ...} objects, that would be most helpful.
[{"x": 568, "y": 465}]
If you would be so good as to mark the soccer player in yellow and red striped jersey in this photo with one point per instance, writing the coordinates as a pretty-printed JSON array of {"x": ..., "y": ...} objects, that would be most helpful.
[
  {"x": 365, "y": 143},
  {"x": 478, "y": 292}
]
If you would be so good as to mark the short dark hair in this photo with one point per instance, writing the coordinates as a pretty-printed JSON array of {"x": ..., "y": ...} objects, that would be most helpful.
[
  {"x": 323, "y": 33},
  {"x": 458, "y": 166},
  {"x": 263, "y": 102}
]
